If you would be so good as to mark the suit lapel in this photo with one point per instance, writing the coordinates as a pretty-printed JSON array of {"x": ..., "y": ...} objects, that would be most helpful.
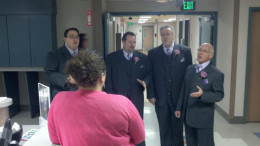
[
  {"x": 134, "y": 62},
  {"x": 66, "y": 54},
  {"x": 198, "y": 80},
  {"x": 192, "y": 77},
  {"x": 121, "y": 60},
  {"x": 177, "y": 57},
  {"x": 163, "y": 61}
]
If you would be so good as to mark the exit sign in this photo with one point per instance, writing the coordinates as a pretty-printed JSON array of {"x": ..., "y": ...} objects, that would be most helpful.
[{"x": 188, "y": 5}]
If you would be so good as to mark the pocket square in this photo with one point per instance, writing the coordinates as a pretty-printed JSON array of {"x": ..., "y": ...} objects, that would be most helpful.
[
  {"x": 205, "y": 81},
  {"x": 183, "y": 59},
  {"x": 142, "y": 66}
]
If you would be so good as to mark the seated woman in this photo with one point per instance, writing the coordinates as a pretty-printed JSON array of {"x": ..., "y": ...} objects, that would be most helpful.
[{"x": 89, "y": 116}]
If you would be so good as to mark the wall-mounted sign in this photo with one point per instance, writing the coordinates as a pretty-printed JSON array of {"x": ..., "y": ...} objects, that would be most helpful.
[
  {"x": 89, "y": 18},
  {"x": 122, "y": 21},
  {"x": 188, "y": 5}
]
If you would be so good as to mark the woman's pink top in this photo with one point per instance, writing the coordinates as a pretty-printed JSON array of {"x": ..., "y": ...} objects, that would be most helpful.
[{"x": 94, "y": 118}]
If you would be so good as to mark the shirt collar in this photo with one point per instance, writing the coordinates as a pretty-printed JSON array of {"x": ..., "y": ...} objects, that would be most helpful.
[
  {"x": 72, "y": 51},
  {"x": 204, "y": 65},
  {"x": 125, "y": 53},
  {"x": 171, "y": 48}
]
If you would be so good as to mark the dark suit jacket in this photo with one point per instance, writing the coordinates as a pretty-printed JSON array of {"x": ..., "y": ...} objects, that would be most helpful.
[
  {"x": 199, "y": 112},
  {"x": 122, "y": 75},
  {"x": 54, "y": 69},
  {"x": 157, "y": 69}
]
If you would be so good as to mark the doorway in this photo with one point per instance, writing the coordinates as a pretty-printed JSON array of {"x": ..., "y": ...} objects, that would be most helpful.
[
  {"x": 187, "y": 33},
  {"x": 253, "y": 69},
  {"x": 147, "y": 38}
]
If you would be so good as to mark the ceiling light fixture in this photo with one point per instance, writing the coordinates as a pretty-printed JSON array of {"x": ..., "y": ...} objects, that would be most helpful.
[
  {"x": 142, "y": 20},
  {"x": 173, "y": 19},
  {"x": 163, "y": 1},
  {"x": 145, "y": 17},
  {"x": 167, "y": 20}
]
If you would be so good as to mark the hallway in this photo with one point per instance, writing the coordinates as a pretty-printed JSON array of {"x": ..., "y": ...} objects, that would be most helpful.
[{"x": 225, "y": 134}]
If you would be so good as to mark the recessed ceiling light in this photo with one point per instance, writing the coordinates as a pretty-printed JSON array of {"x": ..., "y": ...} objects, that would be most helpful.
[
  {"x": 167, "y": 20},
  {"x": 145, "y": 17},
  {"x": 162, "y": 1}
]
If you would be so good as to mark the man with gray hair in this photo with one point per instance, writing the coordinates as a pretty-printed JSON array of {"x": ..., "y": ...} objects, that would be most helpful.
[
  {"x": 167, "y": 66},
  {"x": 202, "y": 87}
]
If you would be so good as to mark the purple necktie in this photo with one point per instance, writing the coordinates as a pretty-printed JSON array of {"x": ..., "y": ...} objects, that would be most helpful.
[
  {"x": 168, "y": 52},
  {"x": 198, "y": 66},
  {"x": 128, "y": 56},
  {"x": 74, "y": 53}
]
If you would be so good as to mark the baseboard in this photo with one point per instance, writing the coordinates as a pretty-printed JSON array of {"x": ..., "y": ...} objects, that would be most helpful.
[{"x": 235, "y": 120}]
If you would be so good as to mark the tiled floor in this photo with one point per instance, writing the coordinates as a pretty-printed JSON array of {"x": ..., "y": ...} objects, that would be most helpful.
[{"x": 225, "y": 134}]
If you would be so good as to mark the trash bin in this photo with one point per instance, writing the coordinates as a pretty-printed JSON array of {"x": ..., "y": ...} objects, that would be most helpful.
[{"x": 4, "y": 110}]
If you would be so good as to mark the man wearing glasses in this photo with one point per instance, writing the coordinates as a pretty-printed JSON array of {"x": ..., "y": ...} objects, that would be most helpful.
[
  {"x": 203, "y": 86},
  {"x": 167, "y": 65},
  {"x": 56, "y": 60}
]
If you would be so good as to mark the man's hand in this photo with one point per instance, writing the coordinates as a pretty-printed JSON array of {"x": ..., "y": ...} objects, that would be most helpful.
[
  {"x": 197, "y": 94},
  {"x": 142, "y": 83},
  {"x": 177, "y": 114},
  {"x": 152, "y": 100},
  {"x": 70, "y": 82}
]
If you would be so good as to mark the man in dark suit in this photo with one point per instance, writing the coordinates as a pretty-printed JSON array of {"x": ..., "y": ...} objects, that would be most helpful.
[
  {"x": 127, "y": 72},
  {"x": 202, "y": 87},
  {"x": 56, "y": 60},
  {"x": 167, "y": 65}
]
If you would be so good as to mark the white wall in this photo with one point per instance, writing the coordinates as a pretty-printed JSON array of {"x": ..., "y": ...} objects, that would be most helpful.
[
  {"x": 224, "y": 54},
  {"x": 111, "y": 34},
  {"x": 242, "y": 52},
  {"x": 152, "y": 6},
  {"x": 72, "y": 13},
  {"x": 194, "y": 35},
  {"x": 224, "y": 47}
]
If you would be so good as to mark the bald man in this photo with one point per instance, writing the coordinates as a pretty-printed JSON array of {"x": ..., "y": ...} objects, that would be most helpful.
[{"x": 202, "y": 87}]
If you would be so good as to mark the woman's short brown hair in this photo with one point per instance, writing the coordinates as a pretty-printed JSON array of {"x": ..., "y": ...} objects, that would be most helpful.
[{"x": 86, "y": 67}]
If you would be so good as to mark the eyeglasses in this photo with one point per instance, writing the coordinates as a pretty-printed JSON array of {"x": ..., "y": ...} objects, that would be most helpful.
[
  {"x": 73, "y": 37},
  {"x": 204, "y": 51},
  {"x": 165, "y": 35}
]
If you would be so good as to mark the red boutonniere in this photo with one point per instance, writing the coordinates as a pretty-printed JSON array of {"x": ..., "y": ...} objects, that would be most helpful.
[
  {"x": 136, "y": 59},
  {"x": 176, "y": 52},
  {"x": 203, "y": 76}
]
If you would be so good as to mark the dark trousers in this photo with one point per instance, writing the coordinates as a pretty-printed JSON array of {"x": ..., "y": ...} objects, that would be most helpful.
[
  {"x": 171, "y": 128},
  {"x": 199, "y": 136},
  {"x": 141, "y": 144}
]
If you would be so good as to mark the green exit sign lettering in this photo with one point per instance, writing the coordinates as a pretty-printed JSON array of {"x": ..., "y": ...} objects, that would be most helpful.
[{"x": 188, "y": 5}]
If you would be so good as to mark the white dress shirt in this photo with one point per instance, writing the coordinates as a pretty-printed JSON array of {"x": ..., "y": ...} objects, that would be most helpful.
[{"x": 171, "y": 48}]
